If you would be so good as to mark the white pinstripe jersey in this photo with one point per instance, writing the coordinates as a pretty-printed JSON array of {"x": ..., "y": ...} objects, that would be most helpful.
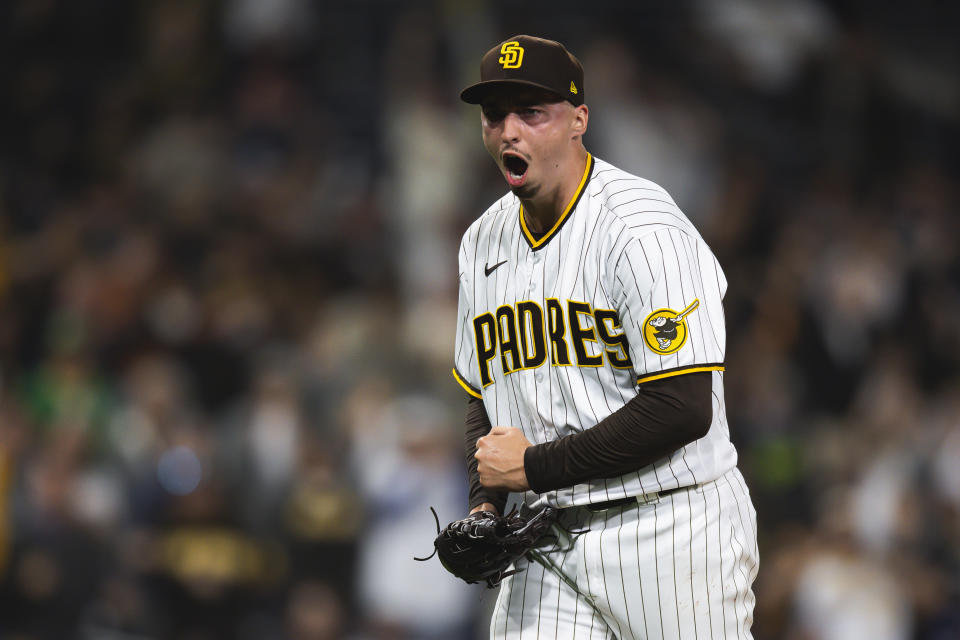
[{"x": 556, "y": 333}]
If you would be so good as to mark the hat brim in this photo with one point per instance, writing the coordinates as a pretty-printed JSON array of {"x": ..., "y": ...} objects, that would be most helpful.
[{"x": 475, "y": 93}]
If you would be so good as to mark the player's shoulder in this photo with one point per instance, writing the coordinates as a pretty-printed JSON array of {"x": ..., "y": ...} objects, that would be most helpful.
[
  {"x": 488, "y": 220},
  {"x": 641, "y": 205}
]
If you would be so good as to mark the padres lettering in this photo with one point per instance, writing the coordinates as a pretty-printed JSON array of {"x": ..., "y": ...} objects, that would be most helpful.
[
  {"x": 523, "y": 335},
  {"x": 512, "y": 56}
]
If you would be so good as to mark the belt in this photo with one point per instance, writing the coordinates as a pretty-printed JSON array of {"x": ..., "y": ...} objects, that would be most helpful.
[{"x": 643, "y": 498}]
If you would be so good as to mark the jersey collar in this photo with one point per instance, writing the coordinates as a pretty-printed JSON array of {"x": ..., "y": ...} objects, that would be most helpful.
[{"x": 538, "y": 243}]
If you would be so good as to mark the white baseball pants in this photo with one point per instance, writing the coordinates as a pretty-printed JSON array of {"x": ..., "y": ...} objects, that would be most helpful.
[{"x": 679, "y": 566}]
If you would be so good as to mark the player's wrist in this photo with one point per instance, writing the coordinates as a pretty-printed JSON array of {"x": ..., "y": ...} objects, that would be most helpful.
[
  {"x": 522, "y": 472},
  {"x": 545, "y": 466}
]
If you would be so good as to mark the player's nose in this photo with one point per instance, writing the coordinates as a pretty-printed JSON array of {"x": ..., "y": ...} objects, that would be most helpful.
[{"x": 511, "y": 127}]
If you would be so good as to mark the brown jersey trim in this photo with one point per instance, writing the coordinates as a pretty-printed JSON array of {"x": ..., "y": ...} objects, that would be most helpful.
[
  {"x": 538, "y": 243},
  {"x": 679, "y": 371},
  {"x": 466, "y": 385}
]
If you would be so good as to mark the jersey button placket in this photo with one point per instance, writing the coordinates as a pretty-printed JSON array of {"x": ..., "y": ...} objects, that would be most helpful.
[
  {"x": 532, "y": 295},
  {"x": 535, "y": 270}
]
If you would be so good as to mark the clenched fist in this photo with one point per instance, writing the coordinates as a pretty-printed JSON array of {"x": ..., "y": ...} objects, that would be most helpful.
[{"x": 500, "y": 459}]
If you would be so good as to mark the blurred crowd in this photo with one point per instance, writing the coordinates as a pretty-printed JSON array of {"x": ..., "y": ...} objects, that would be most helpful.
[{"x": 228, "y": 237}]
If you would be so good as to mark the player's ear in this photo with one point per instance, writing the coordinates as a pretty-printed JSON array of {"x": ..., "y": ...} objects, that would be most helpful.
[{"x": 581, "y": 115}]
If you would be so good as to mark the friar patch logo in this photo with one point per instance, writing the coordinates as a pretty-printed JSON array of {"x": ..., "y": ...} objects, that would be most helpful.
[{"x": 665, "y": 330}]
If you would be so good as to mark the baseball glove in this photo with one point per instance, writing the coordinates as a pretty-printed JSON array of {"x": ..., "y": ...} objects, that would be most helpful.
[{"x": 482, "y": 546}]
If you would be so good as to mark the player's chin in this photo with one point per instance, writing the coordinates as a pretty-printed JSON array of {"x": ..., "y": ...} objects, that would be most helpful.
[{"x": 524, "y": 191}]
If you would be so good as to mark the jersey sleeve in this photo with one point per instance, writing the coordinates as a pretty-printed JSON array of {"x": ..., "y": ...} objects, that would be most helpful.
[
  {"x": 670, "y": 300},
  {"x": 465, "y": 369}
]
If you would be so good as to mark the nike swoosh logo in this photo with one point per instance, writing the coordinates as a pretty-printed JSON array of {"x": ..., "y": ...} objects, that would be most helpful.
[{"x": 487, "y": 270}]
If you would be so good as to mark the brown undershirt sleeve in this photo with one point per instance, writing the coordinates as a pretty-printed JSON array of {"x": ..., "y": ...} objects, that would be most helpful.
[
  {"x": 478, "y": 425},
  {"x": 665, "y": 415}
]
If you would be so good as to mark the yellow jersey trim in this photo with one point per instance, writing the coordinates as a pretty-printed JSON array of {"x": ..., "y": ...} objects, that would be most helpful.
[
  {"x": 466, "y": 385},
  {"x": 670, "y": 374},
  {"x": 536, "y": 244}
]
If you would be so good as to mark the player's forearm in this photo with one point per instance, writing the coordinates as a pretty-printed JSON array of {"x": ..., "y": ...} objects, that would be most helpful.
[
  {"x": 477, "y": 426},
  {"x": 664, "y": 416}
]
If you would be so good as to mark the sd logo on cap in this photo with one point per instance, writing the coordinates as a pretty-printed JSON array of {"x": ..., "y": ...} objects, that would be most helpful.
[
  {"x": 512, "y": 56},
  {"x": 530, "y": 61}
]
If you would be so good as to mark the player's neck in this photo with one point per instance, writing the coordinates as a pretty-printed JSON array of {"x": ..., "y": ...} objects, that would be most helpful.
[{"x": 542, "y": 211}]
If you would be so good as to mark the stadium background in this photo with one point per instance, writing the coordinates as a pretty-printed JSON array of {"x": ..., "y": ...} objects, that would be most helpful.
[{"x": 227, "y": 295}]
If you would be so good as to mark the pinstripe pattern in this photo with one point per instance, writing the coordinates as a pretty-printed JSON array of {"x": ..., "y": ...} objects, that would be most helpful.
[
  {"x": 626, "y": 247},
  {"x": 682, "y": 568}
]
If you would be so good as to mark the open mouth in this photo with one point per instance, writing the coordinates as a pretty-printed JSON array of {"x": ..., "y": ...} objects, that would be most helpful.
[{"x": 516, "y": 169}]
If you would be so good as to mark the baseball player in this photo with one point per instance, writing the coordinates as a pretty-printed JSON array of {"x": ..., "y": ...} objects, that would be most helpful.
[{"x": 591, "y": 334}]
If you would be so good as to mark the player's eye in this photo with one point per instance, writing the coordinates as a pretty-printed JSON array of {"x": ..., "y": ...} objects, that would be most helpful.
[
  {"x": 531, "y": 114},
  {"x": 492, "y": 114}
]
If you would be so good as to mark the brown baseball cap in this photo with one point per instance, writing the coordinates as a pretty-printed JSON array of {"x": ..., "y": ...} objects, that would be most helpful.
[{"x": 530, "y": 61}]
